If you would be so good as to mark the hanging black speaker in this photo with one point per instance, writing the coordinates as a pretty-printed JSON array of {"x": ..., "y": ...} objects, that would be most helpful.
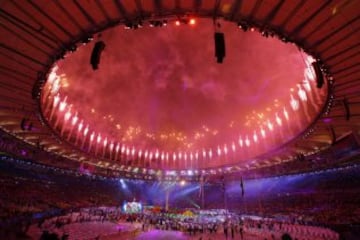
[
  {"x": 96, "y": 54},
  {"x": 347, "y": 109},
  {"x": 30, "y": 126},
  {"x": 319, "y": 75},
  {"x": 332, "y": 134},
  {"x": 219, "y": 46},
  {"x": 23, "y": 124}
]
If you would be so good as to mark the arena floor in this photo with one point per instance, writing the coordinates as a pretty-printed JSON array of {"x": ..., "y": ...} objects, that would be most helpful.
[{"x": 126, "y": 231}]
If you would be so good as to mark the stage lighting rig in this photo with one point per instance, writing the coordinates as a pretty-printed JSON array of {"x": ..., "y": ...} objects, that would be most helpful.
[
  {"x": 87, "y": 39},
  {"x": 128, "y": 25},
  {"x": 158, "y": 23},
  {"x": 243, "y": 25}
]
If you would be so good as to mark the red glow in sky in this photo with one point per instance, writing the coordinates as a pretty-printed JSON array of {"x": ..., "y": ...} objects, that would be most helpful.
[{"x": 161, "y": 88}]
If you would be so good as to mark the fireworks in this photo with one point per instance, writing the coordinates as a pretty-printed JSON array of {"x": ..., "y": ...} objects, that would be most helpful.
[{"x": 63, "y": 116}]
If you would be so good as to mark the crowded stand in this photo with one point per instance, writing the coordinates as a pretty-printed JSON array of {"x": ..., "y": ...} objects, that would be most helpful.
[{"x": 294, "y": 204}]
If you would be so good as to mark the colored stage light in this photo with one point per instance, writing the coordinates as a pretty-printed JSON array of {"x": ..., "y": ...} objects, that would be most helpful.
[{"x": 182, "y": 182}]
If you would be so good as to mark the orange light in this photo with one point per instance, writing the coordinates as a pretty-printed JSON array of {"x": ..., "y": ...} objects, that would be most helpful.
[
  {"x": 177, "y": 23},
  {"x": 192, "y": 21}
]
